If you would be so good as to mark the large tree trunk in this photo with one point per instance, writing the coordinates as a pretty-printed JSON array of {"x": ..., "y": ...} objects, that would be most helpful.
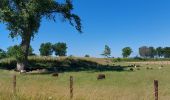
[{"x": 25, "y": 44}]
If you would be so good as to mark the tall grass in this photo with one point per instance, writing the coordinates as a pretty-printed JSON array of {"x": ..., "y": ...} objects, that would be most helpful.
[{"x": 124, "y": 85}]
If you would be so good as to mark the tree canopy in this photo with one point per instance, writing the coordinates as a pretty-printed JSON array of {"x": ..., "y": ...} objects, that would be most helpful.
[
  {"x": 126, "y": 52},
  {"x": 60, "y": 49},
  {"x": 2, "y": 54},
  {"x": 23, "y": 18},
  {"x": 107, "y": 51},
  {"x": 46, "y": 49}
]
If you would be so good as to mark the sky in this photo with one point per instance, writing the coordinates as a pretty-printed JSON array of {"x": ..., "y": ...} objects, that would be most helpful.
[{"x": 116, "y": 23}]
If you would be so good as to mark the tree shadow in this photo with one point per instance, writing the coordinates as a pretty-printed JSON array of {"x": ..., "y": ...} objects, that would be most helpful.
[
  {"x": 74, "y": 65},
  {"x": 67, "y": 65}
]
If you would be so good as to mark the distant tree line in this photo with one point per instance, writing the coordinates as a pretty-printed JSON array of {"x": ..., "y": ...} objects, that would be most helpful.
[
  {"x": 60, "y": 49},
  {"x": 144, "y": 52},
  {"x": 46, "y": 49},
  {"x": 151, "y": 52}
]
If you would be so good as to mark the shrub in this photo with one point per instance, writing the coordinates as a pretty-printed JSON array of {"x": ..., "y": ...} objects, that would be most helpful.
[{"x": 87, "y": 55}]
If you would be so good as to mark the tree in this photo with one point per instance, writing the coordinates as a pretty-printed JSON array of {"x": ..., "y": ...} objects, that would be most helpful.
[
  {"x": 147, "y": 52},
  {"x": 159, "y": 52},
  {"x": 126, "y": 52},
  {"x": 30, "y": 51},
  {"x": 2, "y": 54},
  {"x": 151, "y": 52},
  {"x": 46, "y": 49},
  {"x": 107, "y": 51},
  {"x": 14, "y": 51},
  {"x": 143, "y": 51},
  {"x": 166, "y": 52},
  {"x": 23, "y": 19},
  {"x": 60, "y": 49},
  {"x": 87, "y": 56}
]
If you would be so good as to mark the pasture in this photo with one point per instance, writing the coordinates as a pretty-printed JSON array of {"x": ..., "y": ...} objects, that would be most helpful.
[{"x": 118, "y": 85}]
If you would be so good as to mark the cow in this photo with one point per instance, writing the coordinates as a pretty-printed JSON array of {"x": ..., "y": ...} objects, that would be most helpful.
[{"x": 101, "y": 76}]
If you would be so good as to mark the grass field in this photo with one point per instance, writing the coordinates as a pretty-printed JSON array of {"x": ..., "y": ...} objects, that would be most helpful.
[{"x": 118, "y": 85}]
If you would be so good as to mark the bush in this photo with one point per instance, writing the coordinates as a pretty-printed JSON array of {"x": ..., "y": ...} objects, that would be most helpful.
[
  {"x": 87, "y": 55},
  {"x": 2, "y": 54}
]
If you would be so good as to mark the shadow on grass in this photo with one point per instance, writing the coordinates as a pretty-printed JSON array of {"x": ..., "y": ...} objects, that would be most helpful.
[
  {"x": 66, "y": 65},
  {"x": 75, "y": 65}
]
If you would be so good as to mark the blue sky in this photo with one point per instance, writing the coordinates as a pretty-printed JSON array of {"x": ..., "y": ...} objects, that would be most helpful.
[{"x": 117, "y": 23}]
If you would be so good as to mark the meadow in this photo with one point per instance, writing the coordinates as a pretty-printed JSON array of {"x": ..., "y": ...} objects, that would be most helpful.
[{"x": 118, "y": 85}]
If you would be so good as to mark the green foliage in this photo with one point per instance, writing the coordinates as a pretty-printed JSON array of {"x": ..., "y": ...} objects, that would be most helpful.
[
  {"x": 147, "y": 52},
  {"x": 23, "y": 19},
  {"x": 151, "y": 52},
  {"x": 167, "y": 52},
  {"x": 126, "y": 52},
  {"x": 2, "y": 54},
  {"x": 15, "y": 51},
  {"x": 160, "y": 52},
  {"x": 60, "y": 49},
  {"x": 22, "y": 16},
  {"x": 30, "y": 51},
  {"x": 87, "y": 55},
  {"x": 117, "y": 59},
  {"x": 107, "y": 51},
  {"x": 46, "y": 49}
]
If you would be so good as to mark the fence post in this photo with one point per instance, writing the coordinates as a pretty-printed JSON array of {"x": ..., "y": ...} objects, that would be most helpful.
[
  {"x": 156, "y": 89},
  {"x": 71, "y": 87},
  {"x": 14, "y": 84}
]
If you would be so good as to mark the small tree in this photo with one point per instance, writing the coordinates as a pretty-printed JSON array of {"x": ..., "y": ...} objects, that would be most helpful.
[
  {"x": 14, "y": 51},
  {"x": 46, "y": 49},
  {"x": 126, "y": 52},
  {"x": 2, "y": 54},
  {"x": 87, "y": 55},
  {"x": 107, "y": 51},
  {"x": 60, "y": 49}
]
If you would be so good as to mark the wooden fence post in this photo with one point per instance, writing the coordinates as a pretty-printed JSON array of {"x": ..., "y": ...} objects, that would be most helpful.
[
  {"x": 71, "y": 87},
  {"x": 156, "y": 89},
  {"x": 14, "y": 84}
]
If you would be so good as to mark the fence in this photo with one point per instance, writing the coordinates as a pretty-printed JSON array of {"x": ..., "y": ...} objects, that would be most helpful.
[{"x": 14, "y": 82}]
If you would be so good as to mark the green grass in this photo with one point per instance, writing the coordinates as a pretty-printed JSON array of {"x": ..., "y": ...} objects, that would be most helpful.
[{"x": 123, "y": 85}]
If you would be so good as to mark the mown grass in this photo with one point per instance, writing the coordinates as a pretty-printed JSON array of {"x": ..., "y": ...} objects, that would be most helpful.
[{"x": 118, "y": 85}]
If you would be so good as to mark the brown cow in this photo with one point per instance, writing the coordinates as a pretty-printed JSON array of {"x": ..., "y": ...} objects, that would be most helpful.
[
  {"x": 55, "y": 74},
  {"x": 101, "y": 76}
]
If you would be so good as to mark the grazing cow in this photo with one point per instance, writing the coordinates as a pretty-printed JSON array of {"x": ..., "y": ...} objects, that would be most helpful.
[
  {"x": 131, "y": 69},
  {"x": 138, "y": 66},
  {"x": 149, "y": 68},
  {"x": 101, "y": 76},
  {"x": 55, "y": 74}
]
